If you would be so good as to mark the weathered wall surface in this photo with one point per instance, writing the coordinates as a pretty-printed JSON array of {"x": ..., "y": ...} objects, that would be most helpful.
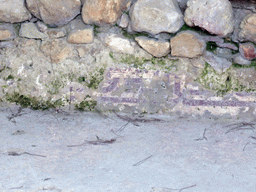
[{"x": 143, "y": 56}]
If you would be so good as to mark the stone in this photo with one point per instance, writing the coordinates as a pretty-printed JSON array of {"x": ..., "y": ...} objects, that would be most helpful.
[
  {"x": 156, "y": 16},
  {"x": 223, "y": 52},
  {"x": 220, "y": 65},
  {"x": 58, "y": 50},
  {"x": 29, "y": 30},
  {"x": 187, "y": 44},
  {"x": 227, "y": 45},
  {"x": 85, "y": 35},
  {"x": 240, "y": 60},
  {"x": 79, "y": 32},
  {"x": 182, "y": 4},
  {"x": 157, "y": 48},
  {"x": 13, "y": 11},
  {"x": 41, "y": 26},
  {"x": 123, "y": 21},
  {"x": 215, "y": 16},
  {"x": 54, "y": 12},
  {"x": 7, "y": 32},
  {"x": 239, "y": 16},
  {"x": 198, "y": 62},
  {"x": 117, "y": 43},
  {"x": 247, "y": 51},
  {"x": 248, "y": 28},
  {"x": 102, "y": 12},
  {"x": 55, "y": 33}
]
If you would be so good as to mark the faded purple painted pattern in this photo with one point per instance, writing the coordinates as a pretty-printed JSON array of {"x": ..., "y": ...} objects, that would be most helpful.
[{"x": 178, "y": 95}]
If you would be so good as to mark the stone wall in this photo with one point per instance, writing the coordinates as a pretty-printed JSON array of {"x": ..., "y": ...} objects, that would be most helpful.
[{"x": 144, "y": 56}]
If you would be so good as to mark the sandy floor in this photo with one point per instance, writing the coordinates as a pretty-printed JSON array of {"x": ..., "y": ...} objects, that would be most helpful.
[{"x": 80, "y": 152}]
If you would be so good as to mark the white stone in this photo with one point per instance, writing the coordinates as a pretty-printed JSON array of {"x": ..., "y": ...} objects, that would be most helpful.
[
  {"x": 156, "y": 16},
  {"x": 215, "y": 16}
]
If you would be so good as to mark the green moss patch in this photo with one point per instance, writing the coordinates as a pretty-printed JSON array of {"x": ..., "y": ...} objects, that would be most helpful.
[
  {"x": 87, "y": 104},
  {"x": 33, "y": 102},
  {"x": 95, "y": 79},
  {"x": 221, "y": 83}
]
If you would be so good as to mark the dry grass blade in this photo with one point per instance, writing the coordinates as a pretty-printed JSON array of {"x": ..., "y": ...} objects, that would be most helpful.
[
  {"x": 95, "y": 142},
  {"x": 142, "y": 161},
  {"x": 240, "y": 126}
]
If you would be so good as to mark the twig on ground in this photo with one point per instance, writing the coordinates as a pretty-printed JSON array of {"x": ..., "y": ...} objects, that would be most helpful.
[
  {"x": 12, "y": 117},
  {"x": 246, "y": 145},
  {"x": 240, "y": 126},
  {"x": 133, "y": 121},
  {"x": 97, "y": 142},
  {"x": 122, "y": 127},
  {"x": 202, "y": 137},
  {"x": 16, "y": 187},
  {"x": 182, "y": 188},
  {"x": 13, "y": 153},
  {"x": 253, "y": 137},
  {"x": 115, "y": 133},
  {"x": 142, "y": 161}
]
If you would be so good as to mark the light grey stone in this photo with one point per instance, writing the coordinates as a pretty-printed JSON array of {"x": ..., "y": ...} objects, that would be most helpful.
[
  {"x": 124, "y": 21},
  {"x": 220, "y": 65},
  {"x": 239, "y": 16},
  {"x": 54, "y": 12},
  {"x": 13, "y": 11},
  {"x": 117, "y": 43},
  {"x": 29, "y": 30},
  {"x": 157, "y": 48},
  {"x": 240, "y": 60},
  {"x": 41, "y": 26},
  {"x": 215, "y": 16},
  {"x": 7, "y": 32},
  {"x": 223, "y": 52},
  {"x": 156, "y": 16}
]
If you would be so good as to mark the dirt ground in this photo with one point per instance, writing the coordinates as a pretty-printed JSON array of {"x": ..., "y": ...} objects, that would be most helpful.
[{"x": 82, "y": 151}]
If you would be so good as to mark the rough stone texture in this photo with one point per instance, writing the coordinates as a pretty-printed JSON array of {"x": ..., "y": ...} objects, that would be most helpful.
[
  {"x": 227, "y": 45},
  {"x": 29, "y": 30},
  {"x": 239, "y": 16},
  {"x": 215, "y": 16},
  {"x": 187, "y": 44},
  {"x": 13, "y": 11},
  {"x": 117, "y": 43},
  {"x": 58, "y": 50},
  {"x": 198, "y": 62},
  {"x": 7, "y": 32},
  {"x": 157, "y": 48},
  {"x": 247, "y": 51},
  {"x": 54, "y": 12},
  {"x": 81, "y": 35},
  {"x": 156, "y": 16},
  {"x": 102, "y": 12},
  {"x": 248, "y": 28},
  {"x": 42, "y": 27},
  {"x": 219, "y": 64},
  {"x": 55, "y": 33},
  {"x": 123, "y": 21},
  {"x": 240, "y": 60},
  {"x": 223, "y": 52},
  {"x": 79, "y": 32}
]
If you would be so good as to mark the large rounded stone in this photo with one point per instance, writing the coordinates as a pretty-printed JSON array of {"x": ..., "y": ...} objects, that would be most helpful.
[
  {"x": 248, "y": 28},
  {"x": 13, "y": 11},
  {"x": 215, "y": 16},
  {"x": 156, "y": 16},
  {"x": 54, "y": 12},
  {"x": 102, "y": 12}
]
